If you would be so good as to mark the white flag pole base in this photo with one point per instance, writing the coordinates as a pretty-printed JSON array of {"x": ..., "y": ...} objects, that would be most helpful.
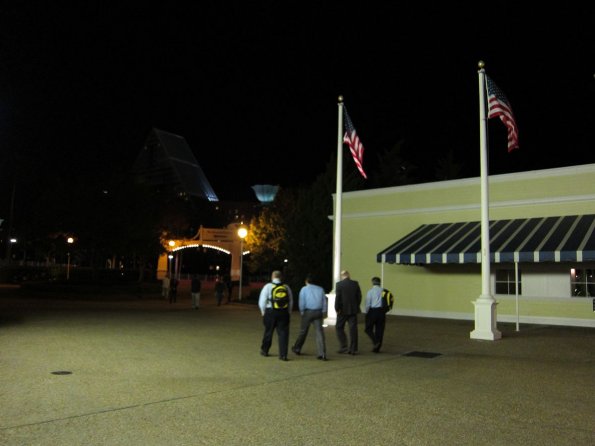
[
  {"x": 485, "y": 319},
  {"x": 332, "y": 315}
]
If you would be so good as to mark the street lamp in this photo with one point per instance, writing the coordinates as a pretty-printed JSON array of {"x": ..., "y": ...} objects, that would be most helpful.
[
  {"x": 9, "y": 249},
  {"x": 171, "y": 244},
  {"x": 242, "y": 233},
  {"x": 70, "y": 241},
  {"x": 170, "y": 257}
]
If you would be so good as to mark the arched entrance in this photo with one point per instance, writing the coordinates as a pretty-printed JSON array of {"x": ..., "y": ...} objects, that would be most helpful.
[{"x": 225, "y": 240}]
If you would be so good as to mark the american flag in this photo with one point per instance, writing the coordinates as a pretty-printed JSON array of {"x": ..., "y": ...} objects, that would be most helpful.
[
  {"x": 355, "y": 145},
  {"x": 498, "y": 105}
]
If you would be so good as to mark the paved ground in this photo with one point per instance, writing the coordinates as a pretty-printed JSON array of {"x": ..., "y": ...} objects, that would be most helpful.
[{"x": 144, "y": 372}]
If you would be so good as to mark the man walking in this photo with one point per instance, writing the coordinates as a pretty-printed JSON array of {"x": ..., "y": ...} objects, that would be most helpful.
[
  {"x": 313, "y": 306},
  {"x": 375, "y": 314},
  {"x": 275, "y": 303},
  {"x": 347, "y": 305}
]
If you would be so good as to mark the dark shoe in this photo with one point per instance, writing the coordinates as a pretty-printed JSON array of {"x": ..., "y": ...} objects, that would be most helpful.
[
  {"x": 322, "y": 358},
  {"x": 263, "y": 353},
  {"x": 376, "y": 348},
  {"x": 295, "y": 350},
  {"x": 352, "y": 353},
  {"x": 344, "y": 350},
  {"x": 283, "y": 358}
]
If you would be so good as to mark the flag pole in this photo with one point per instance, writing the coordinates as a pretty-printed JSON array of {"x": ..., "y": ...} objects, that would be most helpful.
[
  {"x": 332, "y": 315},
  {"x": 485, "y": 305},
  {"x": 338, "y": 196}
]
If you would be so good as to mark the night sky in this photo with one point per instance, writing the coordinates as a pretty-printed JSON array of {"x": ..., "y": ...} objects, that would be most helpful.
[{"x": 253, "y": 88}]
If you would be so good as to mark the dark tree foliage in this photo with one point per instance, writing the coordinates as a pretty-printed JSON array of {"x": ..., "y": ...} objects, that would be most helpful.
[
  {"x": 447, "y": 167},
  {"x": 108, "y": 214},
  {"x": 309, "y": 240},
  {"x": 119, "y": 220},
  {"x": 392, "y": 168}
]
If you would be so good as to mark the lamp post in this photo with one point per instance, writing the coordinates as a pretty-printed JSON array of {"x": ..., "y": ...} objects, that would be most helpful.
[
  {"x": 12, "y": 241},
  {"x": 170, "y": 256},
  {"x": 242, "y": 233},
  {"x": 70, "y": 241}
]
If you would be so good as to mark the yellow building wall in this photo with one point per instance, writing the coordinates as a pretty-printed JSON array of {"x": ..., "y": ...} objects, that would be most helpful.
[{"x": 374, "y": 219}]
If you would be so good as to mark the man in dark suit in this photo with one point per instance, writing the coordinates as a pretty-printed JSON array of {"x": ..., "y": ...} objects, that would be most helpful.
[{"x": 348, "y": 298}]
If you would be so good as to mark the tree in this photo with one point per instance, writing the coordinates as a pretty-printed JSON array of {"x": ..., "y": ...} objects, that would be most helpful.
[
  {"x": 309, "y": 241},
  {"x": 447, "y": 168},
  {"x": 264, "y": 240},
  {"x": 392, "y": 168}
]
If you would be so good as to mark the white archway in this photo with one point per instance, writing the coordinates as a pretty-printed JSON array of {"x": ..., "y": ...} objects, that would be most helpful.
[{"x": 225, "y": 240}]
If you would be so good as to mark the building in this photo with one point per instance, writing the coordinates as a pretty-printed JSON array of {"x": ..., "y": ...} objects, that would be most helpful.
[
  {"x": 424, "y": 240},
  {"x": 166, "y": 162}
]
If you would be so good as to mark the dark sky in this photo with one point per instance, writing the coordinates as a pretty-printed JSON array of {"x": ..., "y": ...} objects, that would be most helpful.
[{"x": 253, "y": 88}]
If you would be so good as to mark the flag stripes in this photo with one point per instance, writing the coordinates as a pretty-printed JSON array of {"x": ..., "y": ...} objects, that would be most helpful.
[
  {"x": 498, "y": 105},
  {"x": 354, "y": 143}
]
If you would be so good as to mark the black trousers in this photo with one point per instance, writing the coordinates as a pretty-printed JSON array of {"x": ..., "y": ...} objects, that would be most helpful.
[
  {"x": 375, "y": 322},
  {"x": 276, "y": 320},
  {"x": 351, "y": 319}
]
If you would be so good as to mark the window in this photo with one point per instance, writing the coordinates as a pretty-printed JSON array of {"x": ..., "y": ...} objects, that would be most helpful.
[
  {"x": 505, "y": 281},
  {"x": 582, "y": 282}
]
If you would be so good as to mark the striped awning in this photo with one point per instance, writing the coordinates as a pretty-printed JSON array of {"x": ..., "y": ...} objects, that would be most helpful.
[{"x": 523, "y": 240}]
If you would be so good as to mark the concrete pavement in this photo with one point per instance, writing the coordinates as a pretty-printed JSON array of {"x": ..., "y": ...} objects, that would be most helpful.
[{"x": 141, "y": 371}]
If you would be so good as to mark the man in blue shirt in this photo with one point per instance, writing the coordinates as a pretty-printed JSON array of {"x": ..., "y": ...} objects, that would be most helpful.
[
  {"x": 375, "y": 315},
  {"x": 274, "y": 318},
  {"x": 313, "y": 307}
]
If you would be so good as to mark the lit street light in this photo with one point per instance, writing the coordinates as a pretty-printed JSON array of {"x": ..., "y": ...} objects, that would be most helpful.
[
  {"x": 70, "y": 241},
  {"x": 242, "y": 233},
  {"x": 12, "y": 241},
  {"x": 171, "y": 244}
]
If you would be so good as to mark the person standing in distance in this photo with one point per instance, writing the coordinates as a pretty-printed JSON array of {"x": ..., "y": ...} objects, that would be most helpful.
[
  {"x": 165, "y": 287},
  {"x": 195, "y": 291},
  {"x": 375, "y": 314},
  {"x": 347, "y": 305},
  {"x": 313, "y": 307},
  {"x": 275, "y": 314},
  {"x": 173, "y": 290},
  {"x": 219, "y": 290}
]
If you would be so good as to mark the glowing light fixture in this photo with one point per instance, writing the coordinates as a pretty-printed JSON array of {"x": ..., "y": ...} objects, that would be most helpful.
[{"x": 242, "y": 233}]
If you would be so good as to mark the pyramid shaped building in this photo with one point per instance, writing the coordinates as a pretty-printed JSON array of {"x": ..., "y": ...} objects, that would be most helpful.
[{"x": 167, "y": 162}]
